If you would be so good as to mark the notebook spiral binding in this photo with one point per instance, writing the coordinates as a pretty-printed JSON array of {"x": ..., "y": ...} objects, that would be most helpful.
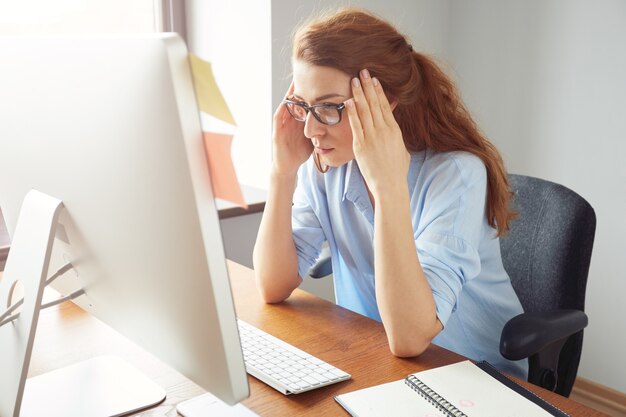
[{"x": 432, "y": 397}]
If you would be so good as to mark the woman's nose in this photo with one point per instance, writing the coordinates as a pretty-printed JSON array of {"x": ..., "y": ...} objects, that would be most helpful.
[{"x": 312, "y": 126}]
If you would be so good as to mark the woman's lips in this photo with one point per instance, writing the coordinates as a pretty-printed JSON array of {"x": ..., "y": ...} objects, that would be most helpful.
[{"x": 323, "y": 151}]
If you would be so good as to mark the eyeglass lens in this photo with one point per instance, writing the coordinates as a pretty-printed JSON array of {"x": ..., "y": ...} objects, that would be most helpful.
[{"x": 326, "y": 114}]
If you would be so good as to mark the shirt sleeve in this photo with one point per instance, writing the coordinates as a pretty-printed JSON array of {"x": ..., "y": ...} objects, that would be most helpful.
[
  {"x": 307, "y": 232},
  {"x": 450, "y": 227}
]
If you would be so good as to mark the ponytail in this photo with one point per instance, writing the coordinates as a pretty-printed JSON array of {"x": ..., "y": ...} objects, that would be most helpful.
[{"x": 437, "y": 119}]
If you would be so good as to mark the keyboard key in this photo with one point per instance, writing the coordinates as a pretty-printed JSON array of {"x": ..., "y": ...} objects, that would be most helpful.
[
  {"x": 311, "y": 380},
  {"x": 330, "y": 376},
  {"x": 338, "y": 372},
  {"x": 316, "y": 361},
  {"x": 318, "y": 377}
]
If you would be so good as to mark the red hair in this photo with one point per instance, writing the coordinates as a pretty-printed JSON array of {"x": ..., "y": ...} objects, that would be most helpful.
[{"x": 430, "y": 112}]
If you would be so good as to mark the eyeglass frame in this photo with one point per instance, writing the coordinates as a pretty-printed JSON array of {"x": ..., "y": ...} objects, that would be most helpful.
[{"x": 339, "y": 107}]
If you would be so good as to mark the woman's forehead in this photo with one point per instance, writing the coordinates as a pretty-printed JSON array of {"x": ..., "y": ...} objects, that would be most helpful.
[{"x": 314, "y": 83}]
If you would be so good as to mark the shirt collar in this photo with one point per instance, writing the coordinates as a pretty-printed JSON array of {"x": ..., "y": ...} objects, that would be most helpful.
[
  {"x": 355, "y": 191},
  {"x": 348, "y": 178}
]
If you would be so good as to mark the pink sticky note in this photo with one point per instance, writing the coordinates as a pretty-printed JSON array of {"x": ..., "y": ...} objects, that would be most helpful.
[{"x": 221, "y": 168}]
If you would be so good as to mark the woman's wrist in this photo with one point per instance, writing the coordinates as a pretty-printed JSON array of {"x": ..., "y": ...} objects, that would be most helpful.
[
  {"x": 280, "y": 179},
  {"x": 282, "y": 175},
  {"x": 393, "y": 191}
]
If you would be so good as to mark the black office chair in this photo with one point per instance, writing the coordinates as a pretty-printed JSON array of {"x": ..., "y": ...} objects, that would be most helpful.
[{"x": 547, "y": 254}]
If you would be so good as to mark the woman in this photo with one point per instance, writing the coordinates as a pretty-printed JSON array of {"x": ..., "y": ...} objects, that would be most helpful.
[{"x": 380, "y": 158}]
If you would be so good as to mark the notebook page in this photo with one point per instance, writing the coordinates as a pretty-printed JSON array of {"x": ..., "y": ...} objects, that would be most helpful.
[
  {"x": 392, "y": 399},
  {"x": 476, "y": 393}
]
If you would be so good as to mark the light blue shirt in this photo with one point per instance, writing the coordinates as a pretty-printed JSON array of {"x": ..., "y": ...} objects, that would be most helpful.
[{"x": 458, "y": 250}]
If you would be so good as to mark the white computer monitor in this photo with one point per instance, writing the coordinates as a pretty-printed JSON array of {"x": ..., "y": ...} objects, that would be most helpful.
[{"x": 110, "y": 126}]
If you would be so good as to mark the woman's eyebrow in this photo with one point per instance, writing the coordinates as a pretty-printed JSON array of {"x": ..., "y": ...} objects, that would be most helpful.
[
  {"x": 327, "y": 96},
  {"x": 320, "y": 98}
]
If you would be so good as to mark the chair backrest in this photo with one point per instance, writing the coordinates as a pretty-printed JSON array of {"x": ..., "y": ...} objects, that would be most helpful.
[{"x": 547, "y": 253}]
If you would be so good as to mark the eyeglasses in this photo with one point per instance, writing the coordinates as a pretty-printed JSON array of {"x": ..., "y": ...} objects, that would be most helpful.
[{"x": 328, "y": 114}]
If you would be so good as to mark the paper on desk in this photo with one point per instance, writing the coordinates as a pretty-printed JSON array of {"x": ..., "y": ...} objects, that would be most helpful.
[
  {"x": 217, "y": 139},
  {"x": 391, "y": 399},
  {"x": 477, "y": 393},
  {"x": 462, "y": 385}
]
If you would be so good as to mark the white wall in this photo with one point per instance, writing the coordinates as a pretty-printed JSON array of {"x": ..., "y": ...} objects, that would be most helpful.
[{"x": 547, "y": 82}]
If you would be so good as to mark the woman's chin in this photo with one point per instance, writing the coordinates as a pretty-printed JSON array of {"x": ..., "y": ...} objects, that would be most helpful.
[{"x": 333, "y": 162}]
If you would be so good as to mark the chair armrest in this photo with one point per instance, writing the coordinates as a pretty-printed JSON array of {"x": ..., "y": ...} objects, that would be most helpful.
[
  {"x": 529, "y": 333},
  {"x": 323, "y": 267}
]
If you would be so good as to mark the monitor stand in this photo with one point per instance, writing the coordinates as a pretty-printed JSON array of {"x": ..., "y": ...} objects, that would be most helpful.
[{"x": 103, "y": 386}]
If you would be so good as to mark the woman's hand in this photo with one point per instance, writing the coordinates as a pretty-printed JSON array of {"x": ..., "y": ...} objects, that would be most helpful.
[
  {"x": 290, "y": 147},
  {"x": 377, "y": 139}
]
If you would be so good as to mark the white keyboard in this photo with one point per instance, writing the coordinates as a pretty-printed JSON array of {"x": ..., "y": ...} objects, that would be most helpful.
[{"x": 283, "y": 366}]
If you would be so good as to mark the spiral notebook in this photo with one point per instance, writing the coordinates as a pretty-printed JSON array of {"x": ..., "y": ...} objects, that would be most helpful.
[{"x": 463, "y": 389}]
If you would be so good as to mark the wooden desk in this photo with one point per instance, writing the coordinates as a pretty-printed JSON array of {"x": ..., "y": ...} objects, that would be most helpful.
[{"x": 66, "y": 334}]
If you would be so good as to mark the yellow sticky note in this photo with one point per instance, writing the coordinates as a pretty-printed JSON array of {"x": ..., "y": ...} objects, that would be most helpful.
[{"x": 210, "y": 100}]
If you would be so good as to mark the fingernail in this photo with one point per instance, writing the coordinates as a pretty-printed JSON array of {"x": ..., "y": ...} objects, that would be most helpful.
[
  {"x": 356, "y": 82},
  {"x": 375, "y": 81},
  {"x": 365, "y": 73}
]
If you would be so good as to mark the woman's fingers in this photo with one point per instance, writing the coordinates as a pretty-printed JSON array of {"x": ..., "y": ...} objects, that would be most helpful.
[
  {"x": 355, "y": 123},
  {"x": 385, "y": 107},
  {"x": 371, "y": 103},
  {"x": 279, "y": 114},
  {"x": 369, "y": 90},
  {"x": 361, "y": 106},
  {"x": 290, "y": 90}
]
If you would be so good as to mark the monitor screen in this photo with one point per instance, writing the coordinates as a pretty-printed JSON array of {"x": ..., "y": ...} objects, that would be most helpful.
[{"x": 110, "y": 126}]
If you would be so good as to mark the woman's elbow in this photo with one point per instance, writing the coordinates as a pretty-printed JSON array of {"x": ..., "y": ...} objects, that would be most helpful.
[
  {"x": 408, "y": 350},
  {"x": 406, "y": 345},
  {"x": 269, "y": 297},
  {"x": 275, "y": 291},
  {"x": 268, "y": 294}
]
